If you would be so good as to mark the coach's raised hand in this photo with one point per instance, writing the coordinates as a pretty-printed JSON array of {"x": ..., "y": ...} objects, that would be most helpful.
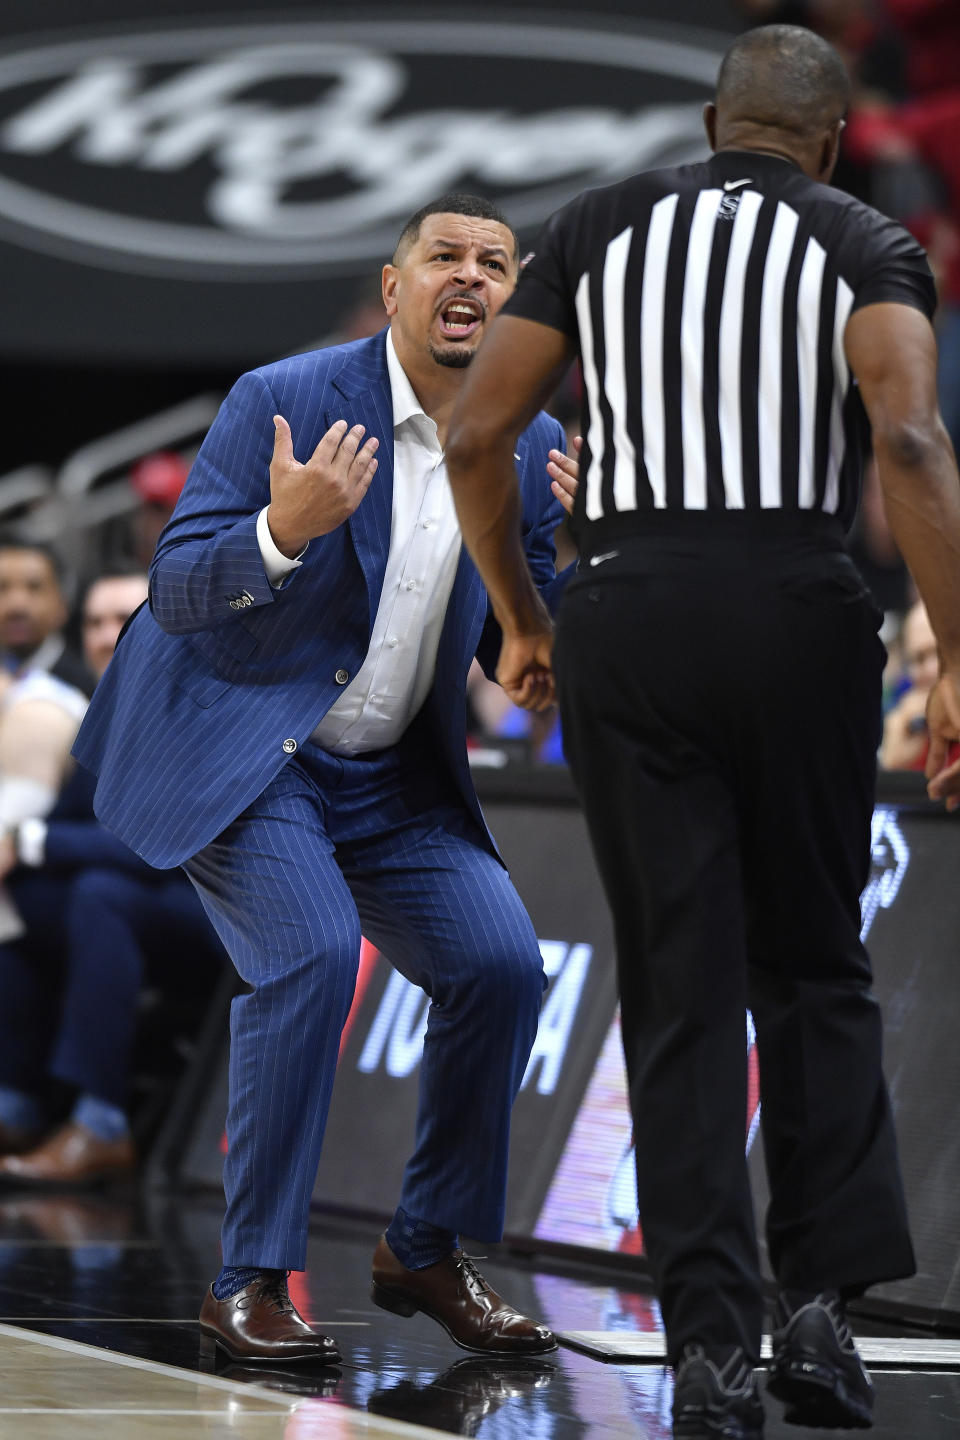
[{"x": 313, "y": 499}]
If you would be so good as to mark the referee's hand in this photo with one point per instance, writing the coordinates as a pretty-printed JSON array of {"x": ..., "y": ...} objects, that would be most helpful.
[
  {"x": 524, "y": 670},
  {"x": 943, "y": 726}
]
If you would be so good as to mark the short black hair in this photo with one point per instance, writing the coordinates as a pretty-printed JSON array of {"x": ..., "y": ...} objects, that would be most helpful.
[
  {"x": 785, "y": 77},
  {"x": 37, "y": 547},
  {"x": 477, "y": 207}
]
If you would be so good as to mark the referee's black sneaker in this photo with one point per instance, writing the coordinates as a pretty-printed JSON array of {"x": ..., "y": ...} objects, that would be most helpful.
[
  {"x": 816, "y": 1370},
  {"x": 712, "y": 1402}
]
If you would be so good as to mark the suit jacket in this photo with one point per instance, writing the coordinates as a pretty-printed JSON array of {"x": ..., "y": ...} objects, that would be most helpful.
[
  {"x": 75, "y": 839},
  {"x": 223, "y": 677}
]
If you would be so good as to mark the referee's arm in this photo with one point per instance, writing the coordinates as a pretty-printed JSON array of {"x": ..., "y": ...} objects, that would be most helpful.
[
  {"x": 893, "y": 353},
  {"x": 513, "y": 374}
]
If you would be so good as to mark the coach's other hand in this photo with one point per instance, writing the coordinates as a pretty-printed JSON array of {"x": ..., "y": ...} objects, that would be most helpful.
[
  {"x": 312, "y": 499},
  {"x": 564, "y": 472}
]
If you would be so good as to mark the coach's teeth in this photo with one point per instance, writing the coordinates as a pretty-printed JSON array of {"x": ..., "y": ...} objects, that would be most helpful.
[{"x": 458, "y": 317}]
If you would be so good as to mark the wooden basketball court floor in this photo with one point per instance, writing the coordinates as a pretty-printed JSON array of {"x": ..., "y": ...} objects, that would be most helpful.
[{"x": 98, "y": 1341}]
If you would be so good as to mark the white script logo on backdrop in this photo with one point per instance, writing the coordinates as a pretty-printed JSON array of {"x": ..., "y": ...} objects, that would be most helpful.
[{"x": 298, "y": 146}]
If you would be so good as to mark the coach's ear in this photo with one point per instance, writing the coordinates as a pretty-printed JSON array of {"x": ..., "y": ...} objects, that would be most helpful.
[
  {"x": 710, "y": 123},
  {"x": 390, "y": 280}
]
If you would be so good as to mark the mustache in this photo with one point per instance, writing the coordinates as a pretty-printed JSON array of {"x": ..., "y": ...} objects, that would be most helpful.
[{"x": 462, "y": 295}]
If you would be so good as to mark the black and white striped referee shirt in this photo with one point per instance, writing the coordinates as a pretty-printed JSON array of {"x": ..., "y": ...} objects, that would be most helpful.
[{"x": 709, "y": 304}]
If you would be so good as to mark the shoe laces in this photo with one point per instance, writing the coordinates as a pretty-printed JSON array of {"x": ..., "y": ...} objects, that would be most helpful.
[
  {"x": 474, "y": 1280},
  {"x": 272, "y": 1290}
]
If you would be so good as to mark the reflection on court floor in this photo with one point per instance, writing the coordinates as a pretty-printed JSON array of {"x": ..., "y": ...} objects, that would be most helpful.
[{"x": 98, "y": 1341}]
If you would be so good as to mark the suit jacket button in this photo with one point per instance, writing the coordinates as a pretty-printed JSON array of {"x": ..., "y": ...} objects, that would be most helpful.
[
  {"x": 342, "y": 676},
  {"x": 289, "y": 746}
]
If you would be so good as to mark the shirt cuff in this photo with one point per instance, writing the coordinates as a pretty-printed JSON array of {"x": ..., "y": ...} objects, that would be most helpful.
[
  {"x": 277, "y": 565},
  {"x": 32, "y": 842}
]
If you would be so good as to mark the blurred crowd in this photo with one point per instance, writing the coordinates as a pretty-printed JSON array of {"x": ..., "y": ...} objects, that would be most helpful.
[
  {"x": 96, "y": 947},
  {"x": 899, "y": 151}
]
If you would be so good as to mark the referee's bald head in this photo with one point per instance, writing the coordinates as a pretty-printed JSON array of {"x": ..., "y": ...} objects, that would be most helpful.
[{"x": 782, "y": 77}]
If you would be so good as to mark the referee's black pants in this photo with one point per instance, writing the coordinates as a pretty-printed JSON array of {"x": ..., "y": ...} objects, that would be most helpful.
[{"x": 721, "y": 715}]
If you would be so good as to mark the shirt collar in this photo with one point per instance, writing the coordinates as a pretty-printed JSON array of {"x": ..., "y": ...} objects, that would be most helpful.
[{"x": 405, "y": 402}]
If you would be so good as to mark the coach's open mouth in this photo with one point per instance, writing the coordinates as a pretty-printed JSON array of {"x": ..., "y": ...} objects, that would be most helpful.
[{"x": 460, "y": 318}]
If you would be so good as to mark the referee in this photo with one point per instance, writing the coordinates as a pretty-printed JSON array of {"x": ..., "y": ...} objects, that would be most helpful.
[{"x": 718, "y": 670}]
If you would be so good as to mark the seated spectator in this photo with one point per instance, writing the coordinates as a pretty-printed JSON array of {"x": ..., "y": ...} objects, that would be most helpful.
[
  {"x": 39, "y": 717},
  {"x": 40, "y": 712},
  {"x": 97, "y": 922},
  {"x": 33, "y": 612},
  {"x": 108, "y": 605},
  {"x": 904, "y": 745}
]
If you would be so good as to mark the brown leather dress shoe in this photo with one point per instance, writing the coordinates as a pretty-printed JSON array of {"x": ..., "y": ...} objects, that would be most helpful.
[
  {"x": 260, "y": 1323},
  {"x": 455, "y": 1294},
  {"x": 71, "y": 1156}
]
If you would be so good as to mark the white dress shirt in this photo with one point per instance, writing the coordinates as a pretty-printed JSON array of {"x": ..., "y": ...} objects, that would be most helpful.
[{"x": 392, "y": 683}]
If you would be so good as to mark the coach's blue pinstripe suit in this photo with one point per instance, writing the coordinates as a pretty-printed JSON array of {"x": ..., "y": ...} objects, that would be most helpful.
[{"x": 199, "y": 733}]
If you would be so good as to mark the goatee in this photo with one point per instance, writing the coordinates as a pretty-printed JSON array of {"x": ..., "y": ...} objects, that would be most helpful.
[{"x": 455, "y": 358}]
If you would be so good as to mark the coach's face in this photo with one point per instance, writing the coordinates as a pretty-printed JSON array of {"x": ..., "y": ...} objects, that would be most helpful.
[{"x": 448, "y": 286}]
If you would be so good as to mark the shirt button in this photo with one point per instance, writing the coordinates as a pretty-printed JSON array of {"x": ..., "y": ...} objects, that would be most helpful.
[
  {"x": 290, "y": 746},
  {"x": 410, "y": 585},
  {"x": 392, "y": 642},
  {"x": 342, "y": 676},
  {"x": 427, "y": 524}
]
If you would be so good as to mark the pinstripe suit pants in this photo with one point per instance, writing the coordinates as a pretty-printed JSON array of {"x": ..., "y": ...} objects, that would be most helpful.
[{"x": 333, "y": 845}]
